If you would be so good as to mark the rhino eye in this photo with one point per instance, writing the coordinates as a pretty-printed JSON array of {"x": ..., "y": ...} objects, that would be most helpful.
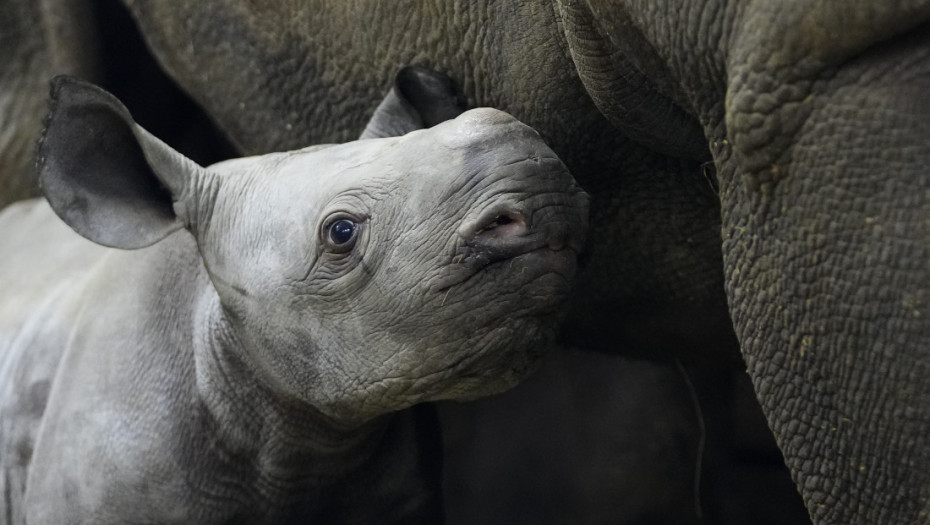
[{"x": 342, "y": 231}]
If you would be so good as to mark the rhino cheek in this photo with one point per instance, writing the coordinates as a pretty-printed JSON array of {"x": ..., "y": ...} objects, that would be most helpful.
[
  {"x": 382, "y": 356},
  {"x": 489, "y": 362}
]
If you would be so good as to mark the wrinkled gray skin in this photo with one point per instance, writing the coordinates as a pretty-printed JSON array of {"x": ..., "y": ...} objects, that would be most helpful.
[
  {"x": 756, "y": 167},
  {"x": 240, "y": 362}
]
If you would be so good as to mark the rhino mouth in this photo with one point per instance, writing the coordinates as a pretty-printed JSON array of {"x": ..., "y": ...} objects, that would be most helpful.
[{"x": 511, "y": 267}]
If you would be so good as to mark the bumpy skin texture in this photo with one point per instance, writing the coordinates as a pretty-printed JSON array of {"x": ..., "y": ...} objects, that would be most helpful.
[
  {"x": 819, "y": 131},
  {"x": 826, "y": 243},
  {"x": 241, "y": 359}
]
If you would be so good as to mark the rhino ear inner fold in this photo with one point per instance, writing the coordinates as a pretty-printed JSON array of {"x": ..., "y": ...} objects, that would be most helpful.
[
  {"x": 419, "y": 99},
  {"x": 106, "y": 177}
]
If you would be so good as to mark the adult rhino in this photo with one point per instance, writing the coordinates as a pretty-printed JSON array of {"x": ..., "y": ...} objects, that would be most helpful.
[
  {"x": 242, "y": 360},
  {"x": 756, "y": 167}
]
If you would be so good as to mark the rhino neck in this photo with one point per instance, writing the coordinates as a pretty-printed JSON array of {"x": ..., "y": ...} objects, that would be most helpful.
[{"x": 282, "y": 437}]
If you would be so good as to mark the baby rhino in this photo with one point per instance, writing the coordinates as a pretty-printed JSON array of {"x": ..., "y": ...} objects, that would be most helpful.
[{"x": 238, "y": 343}]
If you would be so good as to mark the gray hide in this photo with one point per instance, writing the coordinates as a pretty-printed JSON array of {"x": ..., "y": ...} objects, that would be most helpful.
[{"x": 242, "y": 362}]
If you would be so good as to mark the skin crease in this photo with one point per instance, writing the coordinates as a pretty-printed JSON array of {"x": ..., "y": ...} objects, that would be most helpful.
[
  {"x": 809, "y": 218},
  {"x": 266, "y": 360}
]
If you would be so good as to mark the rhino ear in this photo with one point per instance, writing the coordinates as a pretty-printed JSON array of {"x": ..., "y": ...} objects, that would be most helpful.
[
  {"x": 106, "y": 177},
  {"x": 419, "y": 99}
]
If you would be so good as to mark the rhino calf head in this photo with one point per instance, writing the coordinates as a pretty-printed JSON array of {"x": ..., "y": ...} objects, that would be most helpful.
[
  {"x": 246, "y": 354},
  {"x": 359, "y": 278}
]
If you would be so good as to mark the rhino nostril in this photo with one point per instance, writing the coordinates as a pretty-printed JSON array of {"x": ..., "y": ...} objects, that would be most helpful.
[
  {"x": 507, "y": 223},
  {"x": 502, "y": 220}
]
